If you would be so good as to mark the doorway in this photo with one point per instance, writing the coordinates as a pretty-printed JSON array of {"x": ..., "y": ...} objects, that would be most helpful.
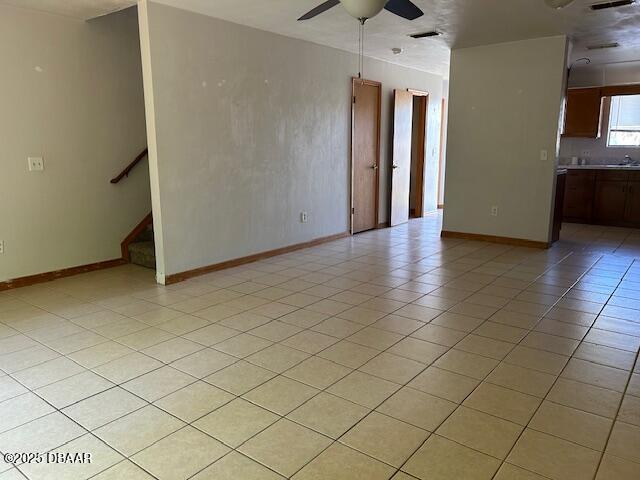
[
  {"x": 408, "y": 168},
  {"x": 365, "y": 154},
  {"x": 418, "y": 148}
]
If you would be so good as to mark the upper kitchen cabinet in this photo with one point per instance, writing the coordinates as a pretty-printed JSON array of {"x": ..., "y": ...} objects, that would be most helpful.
[{"x": 583, "y": 116}]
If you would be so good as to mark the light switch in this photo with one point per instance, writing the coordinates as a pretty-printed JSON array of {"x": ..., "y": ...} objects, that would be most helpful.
[
  {"x": 36, "y": 164},
  {"x": 544, "y": 155}
]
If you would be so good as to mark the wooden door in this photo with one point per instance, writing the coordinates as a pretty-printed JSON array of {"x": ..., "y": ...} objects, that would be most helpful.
[
  {"x": 365, "y": 154},
  {"x": 609, "y": 202},
  {"x": 632, "y": 209},
  {"x": 401, "y": 167}
]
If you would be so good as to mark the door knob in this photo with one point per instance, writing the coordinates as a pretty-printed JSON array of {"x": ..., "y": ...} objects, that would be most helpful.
[
  {"x": 395, "y": 166},
  {"x": 375, "y": 167}
]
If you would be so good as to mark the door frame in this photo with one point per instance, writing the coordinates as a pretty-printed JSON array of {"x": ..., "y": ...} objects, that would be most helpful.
[
  {"x": 422, "y": 155},
  {"x": 443, "y": 113},
  {"x": 373, "y": 83}
]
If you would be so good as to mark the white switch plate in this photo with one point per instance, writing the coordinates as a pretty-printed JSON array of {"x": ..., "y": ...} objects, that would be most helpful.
[
  {"x": 1, "y": 247},
  {"x": 544, "y": 155},
  {"x": 304, "y": 217},
  {"x": 494, "y": 211},
  {"x": 36, "y": 164}
]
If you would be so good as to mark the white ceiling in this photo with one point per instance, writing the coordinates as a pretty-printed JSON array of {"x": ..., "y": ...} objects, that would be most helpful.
[
  {"x": 463, "y": 23},
  {"x": 82, "y": 9}
]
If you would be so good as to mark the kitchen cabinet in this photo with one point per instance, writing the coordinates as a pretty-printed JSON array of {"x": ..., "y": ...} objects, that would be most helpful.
[
  {"x": 583, "y": 113},
  {"x": 578, "y": 198},
  {"x": 609, "y": 202},
  {"x": 632, "y": 208},
  {"x": 561, "y": 187},
  {"x": 603, "y": 197}
]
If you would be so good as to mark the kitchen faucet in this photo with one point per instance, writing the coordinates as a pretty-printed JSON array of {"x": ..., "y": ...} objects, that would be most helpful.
[{"x": 629, "y": 161}]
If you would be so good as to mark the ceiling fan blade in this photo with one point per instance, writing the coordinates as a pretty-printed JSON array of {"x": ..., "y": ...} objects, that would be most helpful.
[
  {"x": 319, "y": 9},
  {"x": 404, "y": 8}
]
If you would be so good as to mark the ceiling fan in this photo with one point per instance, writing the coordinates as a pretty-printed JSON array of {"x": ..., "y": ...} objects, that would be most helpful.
[{"x": 366, "y": 9}]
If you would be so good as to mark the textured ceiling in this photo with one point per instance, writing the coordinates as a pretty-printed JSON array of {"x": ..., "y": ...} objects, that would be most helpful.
[
  {"x": 82, "y": 9},
  {"x": 463, "y": 23}
]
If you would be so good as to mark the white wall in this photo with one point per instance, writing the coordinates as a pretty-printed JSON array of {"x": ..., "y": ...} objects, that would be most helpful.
[
  {"x": 504, "y": 108},
  {"x": 252, "y": 128},
  {"x": 70, "y": 91}
]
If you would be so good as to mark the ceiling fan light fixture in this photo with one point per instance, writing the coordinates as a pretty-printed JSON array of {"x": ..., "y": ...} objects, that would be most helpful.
[
  {"x": 558, "y": 4},
  {"x": 363, "y": 9}
]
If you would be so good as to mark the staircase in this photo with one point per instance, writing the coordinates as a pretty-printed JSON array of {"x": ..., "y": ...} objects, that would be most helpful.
[
  {"x": 138, "y": 247},
  {"x": 142, "y": 251}
]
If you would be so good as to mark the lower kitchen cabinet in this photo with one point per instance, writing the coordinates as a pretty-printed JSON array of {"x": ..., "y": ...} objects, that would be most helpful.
[
  {"x": 603, "y": 197},
  {"x": 632, "y": 209},
  {"x": 578, "y": 198},
  {"x": 609, "y": 202}
]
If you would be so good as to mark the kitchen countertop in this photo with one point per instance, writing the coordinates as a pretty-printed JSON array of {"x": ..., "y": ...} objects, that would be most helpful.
[{"x": 600, "y": 167}]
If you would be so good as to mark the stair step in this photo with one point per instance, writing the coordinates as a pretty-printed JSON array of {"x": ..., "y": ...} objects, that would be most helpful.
[
  {"x": 146, "y": 235},
  {"x": 143, "y": 254}
]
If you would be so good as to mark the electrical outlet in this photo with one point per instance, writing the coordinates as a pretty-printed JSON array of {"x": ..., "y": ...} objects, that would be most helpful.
[
  {"x": 586, "y": 153},
  {"x": 494, "y": 211},
  {"x": 304, "y": 217},
  {"x": 36, "y": 164},
  {"x": 1, "y": 247}
]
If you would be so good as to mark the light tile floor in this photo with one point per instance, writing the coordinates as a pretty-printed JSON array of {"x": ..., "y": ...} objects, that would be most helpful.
[{"x": 392, "y": 354}]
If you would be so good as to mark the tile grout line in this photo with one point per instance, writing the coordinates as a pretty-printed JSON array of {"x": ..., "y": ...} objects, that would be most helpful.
[
  {"x": 556, "y": 380},
  {"x": 502, "y": 461}
]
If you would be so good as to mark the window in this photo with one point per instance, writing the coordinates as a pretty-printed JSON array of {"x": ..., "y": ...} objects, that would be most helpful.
[{"x": 624, "y": 121}]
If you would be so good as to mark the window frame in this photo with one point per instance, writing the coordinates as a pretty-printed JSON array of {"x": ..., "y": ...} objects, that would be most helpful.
[{"x": 609, "y": 129}]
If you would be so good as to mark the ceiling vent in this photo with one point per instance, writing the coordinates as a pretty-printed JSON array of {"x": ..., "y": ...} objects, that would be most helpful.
[
  {"x": 425, "y": 34},
  {"x": 603, "y": 46},
  {"x": 615, "y": 4}
]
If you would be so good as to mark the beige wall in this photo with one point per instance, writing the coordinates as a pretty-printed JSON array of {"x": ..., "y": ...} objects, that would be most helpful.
[
  {"x": 504, "y": 108},
  {"x": 70, "y": 91},
  {"x": 250, "y": 129}
]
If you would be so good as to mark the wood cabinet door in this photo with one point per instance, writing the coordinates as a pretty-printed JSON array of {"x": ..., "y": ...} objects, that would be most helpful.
[
  {"x": 609, "y": 202},
  {"x": 582, "y": 117},
  {"x": 578, "y": 198},
  {"x": 632, "y": 210},
  {"x": 561, "y": 183}
]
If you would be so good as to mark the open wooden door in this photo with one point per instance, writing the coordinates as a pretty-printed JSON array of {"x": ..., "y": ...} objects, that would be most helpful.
[{"x": 401, "y": 175}]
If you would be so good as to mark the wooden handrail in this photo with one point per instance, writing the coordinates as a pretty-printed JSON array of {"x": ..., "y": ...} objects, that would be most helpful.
[{"x": 131, "y": 166}]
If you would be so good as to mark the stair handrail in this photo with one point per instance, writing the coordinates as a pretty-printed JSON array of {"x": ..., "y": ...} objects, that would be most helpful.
[{"x": 131, "y": 166}]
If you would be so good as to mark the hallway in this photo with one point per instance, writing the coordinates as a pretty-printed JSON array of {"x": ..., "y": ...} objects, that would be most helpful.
[{"x": 391, "y": 354}]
